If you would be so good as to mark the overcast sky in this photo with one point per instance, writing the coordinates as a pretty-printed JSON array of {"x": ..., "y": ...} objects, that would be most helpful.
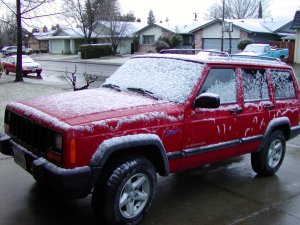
[{"x": 178, "y": 11}]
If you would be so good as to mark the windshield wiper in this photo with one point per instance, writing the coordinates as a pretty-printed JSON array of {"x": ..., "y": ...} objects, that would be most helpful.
[
  {"x": 112, "y": 86},
  {"x": 143, "y": 92}
]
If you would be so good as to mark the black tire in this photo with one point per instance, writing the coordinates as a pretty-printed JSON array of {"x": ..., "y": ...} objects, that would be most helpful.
[
  {"x": 6, "y": 71},
  {"x": 38, "y": 74},
  {"x": 267, "y": 161},
  {"x": 124, "y": 194}
]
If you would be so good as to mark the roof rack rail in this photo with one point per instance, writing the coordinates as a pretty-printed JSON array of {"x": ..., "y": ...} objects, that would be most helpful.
[
  {"x": 257, "y": 57},
  {"x": 193, "y": 51}
]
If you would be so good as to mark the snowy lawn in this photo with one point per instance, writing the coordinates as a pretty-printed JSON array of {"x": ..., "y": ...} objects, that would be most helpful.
[{"x": 14, "y": 91}]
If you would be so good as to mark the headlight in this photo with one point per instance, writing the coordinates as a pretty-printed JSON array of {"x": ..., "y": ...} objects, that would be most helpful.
[{"x": 58, "y": 141}]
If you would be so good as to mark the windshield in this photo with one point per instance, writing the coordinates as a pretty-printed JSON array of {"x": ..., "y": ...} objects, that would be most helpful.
[
  {"x": 167, "y": 79},
  {"x": 254, "y": 48},
  {"x": 27, "y": 60}
]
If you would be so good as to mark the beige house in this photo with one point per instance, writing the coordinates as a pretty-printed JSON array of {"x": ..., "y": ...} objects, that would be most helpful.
[
  {"x": 209, "y": 35},
  {"x": 296, "y": 25}
]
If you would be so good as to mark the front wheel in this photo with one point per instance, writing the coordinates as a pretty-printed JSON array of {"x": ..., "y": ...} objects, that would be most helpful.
[
  {"x": 269, "y": 159},
  {"x": 6, "y": 71},
  {"x": 125, "y": 195}
]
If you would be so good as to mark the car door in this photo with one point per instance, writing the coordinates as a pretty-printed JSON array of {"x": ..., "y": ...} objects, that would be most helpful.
[
  {"x": 257, "y": 108},
  {"x": 212, "y": 134},
  {"x": 11, "y": 67}
]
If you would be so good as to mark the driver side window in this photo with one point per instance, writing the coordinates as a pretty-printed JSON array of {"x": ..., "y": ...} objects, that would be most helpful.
[{"x": 221, "y": 81}]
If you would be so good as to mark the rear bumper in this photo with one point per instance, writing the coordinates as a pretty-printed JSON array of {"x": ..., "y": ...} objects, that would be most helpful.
[{"x": 72, "y": 183}]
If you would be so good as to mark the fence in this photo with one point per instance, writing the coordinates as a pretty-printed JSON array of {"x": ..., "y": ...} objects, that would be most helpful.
[{"x": 288, "y": 45}]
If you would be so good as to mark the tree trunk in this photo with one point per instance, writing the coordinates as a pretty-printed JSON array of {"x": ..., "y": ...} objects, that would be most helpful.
[{"x": 19, "y": 75}]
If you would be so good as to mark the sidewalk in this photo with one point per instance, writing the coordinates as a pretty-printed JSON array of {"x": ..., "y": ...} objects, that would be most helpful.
[{"x": 109, "y": 60}]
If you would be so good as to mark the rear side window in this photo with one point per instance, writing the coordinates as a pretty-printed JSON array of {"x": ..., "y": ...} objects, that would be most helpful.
[
  {"x": 222, "y": 82},
  {"x": 255, "y": 85},
  {"x": 283, "y": 84}
]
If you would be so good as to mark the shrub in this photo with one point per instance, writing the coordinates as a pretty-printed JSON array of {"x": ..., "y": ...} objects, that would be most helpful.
[
  {"x": 160, "y": 45},
  {"x": 244, "y": 42},
  {"x": 173, "y": 40},
  {"x": 95, "y": 50}
]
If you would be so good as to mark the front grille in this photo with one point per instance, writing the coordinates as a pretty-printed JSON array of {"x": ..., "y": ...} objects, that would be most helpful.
[{"x": 35, "y": 137}]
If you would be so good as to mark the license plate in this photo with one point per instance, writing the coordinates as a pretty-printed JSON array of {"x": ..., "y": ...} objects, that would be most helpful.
[
  {"x": 19, "y": 157},
  {"x": 33, "y": 70}
]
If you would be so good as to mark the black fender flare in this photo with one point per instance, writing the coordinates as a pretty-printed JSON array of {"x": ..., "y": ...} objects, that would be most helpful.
[
  {"x": 274, "y": 124},
  {"x": 113, "y": 145}
]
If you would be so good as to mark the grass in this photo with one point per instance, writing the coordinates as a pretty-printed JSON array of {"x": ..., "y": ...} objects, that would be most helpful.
[{"x": 15, "y": 91}]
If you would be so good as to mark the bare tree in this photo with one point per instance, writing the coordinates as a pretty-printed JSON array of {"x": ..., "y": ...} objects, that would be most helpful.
[
  {"x": 82, "y": 14},
  {"x": 113, "y": 25},
  {"x": 8, "y": 29},
  {"x": 71, "y": 78},
  {"x": 238, "y": 9}
]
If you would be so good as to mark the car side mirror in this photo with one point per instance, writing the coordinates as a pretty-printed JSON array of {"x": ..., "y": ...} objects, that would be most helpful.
[{"x": 207, "y": 101}]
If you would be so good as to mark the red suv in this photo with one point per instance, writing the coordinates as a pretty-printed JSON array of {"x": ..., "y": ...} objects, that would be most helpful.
[{"x": 159, "y": 113}]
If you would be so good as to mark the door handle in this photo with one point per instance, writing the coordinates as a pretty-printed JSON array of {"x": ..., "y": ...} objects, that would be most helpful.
[
  {"x": 236, "y": 111},
  {"x": 268, "y": 106}
]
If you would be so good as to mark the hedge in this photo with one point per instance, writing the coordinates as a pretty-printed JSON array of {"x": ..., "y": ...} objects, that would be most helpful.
[{"x": 95, "y": 51}]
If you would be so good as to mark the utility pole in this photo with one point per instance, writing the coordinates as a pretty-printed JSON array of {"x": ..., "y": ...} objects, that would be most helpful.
[
  {"x": 195, "y": 16},
  {"x": 223, "y": 18}
]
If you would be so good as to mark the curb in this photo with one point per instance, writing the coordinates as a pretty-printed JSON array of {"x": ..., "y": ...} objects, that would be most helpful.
[
  {"x": 82, "y": 61},
  {"x": 77, "y": 61}
]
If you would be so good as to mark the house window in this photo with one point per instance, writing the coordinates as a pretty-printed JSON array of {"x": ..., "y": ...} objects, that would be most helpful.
[
  {"x": 187, "y": 40},
  {"x": 148, "y": 39}
]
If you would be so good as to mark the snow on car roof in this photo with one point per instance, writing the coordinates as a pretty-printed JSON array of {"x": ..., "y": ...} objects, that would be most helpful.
[{"x": 222, "y": 58}]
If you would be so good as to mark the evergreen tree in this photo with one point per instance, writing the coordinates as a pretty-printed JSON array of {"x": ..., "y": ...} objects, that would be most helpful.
[
  {"x": 260, "y": 12},
  {"x": 151, "y": 18}
]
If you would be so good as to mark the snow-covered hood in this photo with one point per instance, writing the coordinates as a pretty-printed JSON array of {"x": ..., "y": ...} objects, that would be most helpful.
[
  {"x": 84, "y": 107},
  {"x": 249, "y": 53},
  {"x": 30, "y": 64}
]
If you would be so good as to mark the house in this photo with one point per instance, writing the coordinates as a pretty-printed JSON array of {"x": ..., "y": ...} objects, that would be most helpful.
[
  {"x": 152, "y": 32},
  {"x": 119, "y": 33},
  {"x": 296, "y": 25},
  {"x": 68, "y": 40},
  {"x": 209, "y": 35},
  {"x": 39, "y": 41}
]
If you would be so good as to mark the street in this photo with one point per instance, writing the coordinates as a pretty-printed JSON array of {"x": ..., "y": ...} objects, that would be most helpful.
[
  {"x": 227, "y": 193},
  {"x": 55, "y": 71}
]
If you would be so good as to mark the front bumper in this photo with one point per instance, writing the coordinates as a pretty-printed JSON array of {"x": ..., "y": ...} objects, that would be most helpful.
[{"x": 72, "y": 183}]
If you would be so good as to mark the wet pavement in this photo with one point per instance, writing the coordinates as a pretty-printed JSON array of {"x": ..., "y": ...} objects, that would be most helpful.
[{"x": 222, "y": 194}]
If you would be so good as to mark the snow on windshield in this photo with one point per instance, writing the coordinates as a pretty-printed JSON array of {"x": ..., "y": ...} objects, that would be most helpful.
[
  {"x": 168, "y": 79},
  {"x": 254, "y": 48},
  {"x": 27, "y": 60}
]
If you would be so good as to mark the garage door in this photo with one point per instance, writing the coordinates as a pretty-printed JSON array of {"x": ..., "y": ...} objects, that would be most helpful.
[
  {"x": 56, "y": 46},
  {"x": 215, "y": 43}
]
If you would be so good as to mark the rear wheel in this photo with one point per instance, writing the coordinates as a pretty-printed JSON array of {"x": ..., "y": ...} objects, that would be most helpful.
[
  {"x": 6, "y": 71},
  {"x": 125, "y": 194},
  {"x": 269, "y": 159}
]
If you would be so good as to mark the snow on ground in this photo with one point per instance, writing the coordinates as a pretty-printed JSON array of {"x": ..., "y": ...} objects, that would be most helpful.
[{"x": 31, "y": 87}]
